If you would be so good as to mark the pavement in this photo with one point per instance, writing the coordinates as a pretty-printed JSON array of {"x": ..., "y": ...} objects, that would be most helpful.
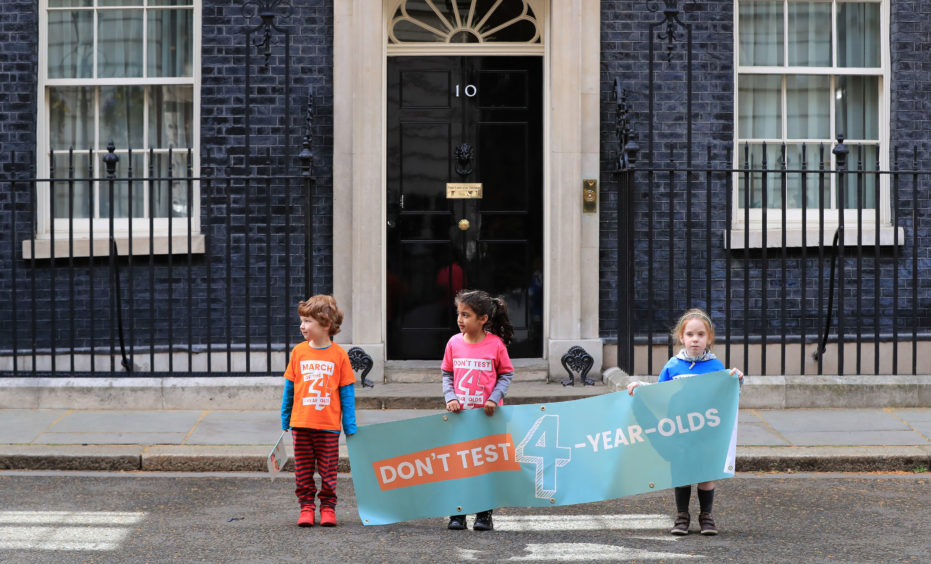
[{"x": 128, "y": 436}]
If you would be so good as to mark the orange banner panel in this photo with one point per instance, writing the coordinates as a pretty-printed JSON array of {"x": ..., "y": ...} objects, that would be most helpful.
[{"x": 493, "y": 453}]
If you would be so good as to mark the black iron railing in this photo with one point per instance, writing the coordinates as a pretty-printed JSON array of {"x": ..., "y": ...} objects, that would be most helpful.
[
  {"x": 817, "y": 259},
  {"x": 824, "y": 279},
  {"x": 154, "y": 294}
]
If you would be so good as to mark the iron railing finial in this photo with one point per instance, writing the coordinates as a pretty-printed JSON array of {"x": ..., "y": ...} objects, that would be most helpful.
[{"x": 110, "y": 159}]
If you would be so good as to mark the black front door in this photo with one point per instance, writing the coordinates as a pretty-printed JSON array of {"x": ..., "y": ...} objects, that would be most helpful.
[{"x": 463, "y": 120}]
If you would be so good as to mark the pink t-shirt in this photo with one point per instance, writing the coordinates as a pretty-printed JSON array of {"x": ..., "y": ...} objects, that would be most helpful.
[{"x": 475, "y": 368}]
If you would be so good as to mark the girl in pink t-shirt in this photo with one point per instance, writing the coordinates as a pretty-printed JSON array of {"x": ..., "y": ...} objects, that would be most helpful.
[{"x": 477, "y": 370}]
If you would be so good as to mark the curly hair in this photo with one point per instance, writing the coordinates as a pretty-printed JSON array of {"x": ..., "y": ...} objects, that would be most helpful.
[{"x": 323, "y": 308}]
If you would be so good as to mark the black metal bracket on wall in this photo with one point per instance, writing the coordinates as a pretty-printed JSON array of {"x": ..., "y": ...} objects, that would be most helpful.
[
  {"x": 360, "y": 360},
  {"x": 265, "y": 9},
  {"x": 578, "y": 360}
]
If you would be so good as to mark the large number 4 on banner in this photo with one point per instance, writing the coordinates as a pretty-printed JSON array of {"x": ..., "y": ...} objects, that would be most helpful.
[{"x": 540, "y": 446}]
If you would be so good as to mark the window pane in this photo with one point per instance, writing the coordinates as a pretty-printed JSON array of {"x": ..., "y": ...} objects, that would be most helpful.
[
  {"x": 121, "y": 114},
  {"x": 808, "y": 105},
  {"x": 429, "y": 27},
  {"x": 119, "y": 2},
  {"x": 761, "y": 33},
  {"x": 809, "y": 182},
  {"x": 463, "y": 21},
  {"x": 171, "y": 113},
  {"x": 71, "y": 117},
  {"x": 408, "y": 32},
  {"x": 810, "y": 34},
  {"x": 171, "y": 39},
  {"x": 171, "y": 2},
  {"x": 504, "y": 13},
  {"x": 518, "y": 32},
  {"x": 70, "y": 3},
  {"x": 858, "y": 34},
  {"x": 760, "y": 107},
  {"x": 123, "y": 189},
  {"x": 861, "y": 186},
  {"x": 119, "y": 47},
  {"x": 70, "y": 44},
  {"x": 170, "y": 195},
  {"x": 857, "y": 107},
  {"x": 75, "y": 166},
  {"x": 754, "y": 159}
]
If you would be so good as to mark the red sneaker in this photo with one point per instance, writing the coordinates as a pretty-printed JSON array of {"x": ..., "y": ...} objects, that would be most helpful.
[
  {"x": 327, "y": 517},
  {"x": 307, "y": 516}
]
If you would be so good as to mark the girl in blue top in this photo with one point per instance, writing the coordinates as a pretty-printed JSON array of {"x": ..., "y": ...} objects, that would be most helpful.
[{"x": 695, "y": 333}]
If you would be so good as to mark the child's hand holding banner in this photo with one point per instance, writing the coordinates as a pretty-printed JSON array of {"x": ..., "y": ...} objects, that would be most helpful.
[{"x": 603, "y": 447}]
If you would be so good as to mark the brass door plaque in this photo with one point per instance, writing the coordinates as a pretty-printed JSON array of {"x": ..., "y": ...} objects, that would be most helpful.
[
  {"x": 589, "y": 195},
  {"x": 463, "y": 190}
]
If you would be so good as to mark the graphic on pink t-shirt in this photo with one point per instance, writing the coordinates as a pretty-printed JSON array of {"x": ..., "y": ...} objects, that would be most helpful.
[
  {"x": 475, "y": 368},
  {"x": 470, "y": 380}
]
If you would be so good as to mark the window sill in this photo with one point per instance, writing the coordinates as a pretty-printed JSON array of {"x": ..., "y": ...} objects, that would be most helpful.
[
  {"x": 81, "y": 246},
  {"x": 739, "y": 239}
]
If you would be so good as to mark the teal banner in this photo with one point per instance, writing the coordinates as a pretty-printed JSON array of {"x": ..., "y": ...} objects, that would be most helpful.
[{"x": 608, "y": 446}]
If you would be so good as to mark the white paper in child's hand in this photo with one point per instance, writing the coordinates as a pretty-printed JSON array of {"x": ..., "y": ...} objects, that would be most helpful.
[{"x": 278, "y": 456}]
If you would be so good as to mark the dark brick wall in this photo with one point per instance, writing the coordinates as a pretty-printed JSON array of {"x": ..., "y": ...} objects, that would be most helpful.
[
  {"x": 242, "y": 133},
  {"x": 18, "y": 63},
  {"x": 250, "y": 258},
  {"x": 910, "y": 127},
  {"x": 245, "y": 288},
  {"x": 773, "y": 302},
  {"x": 625, "y": 41}
]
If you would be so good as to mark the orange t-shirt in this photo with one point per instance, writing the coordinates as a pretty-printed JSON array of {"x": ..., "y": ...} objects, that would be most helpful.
[{"x": 317, "y": 375}]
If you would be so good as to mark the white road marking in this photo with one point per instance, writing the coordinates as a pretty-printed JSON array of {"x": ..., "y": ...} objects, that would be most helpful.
[
  {"x": 71, "y": 517},
  {"x": 665, "y": 537},
  {"x": 536, "y": 523},
  {"x": 65, "y": 530},
  {"x": 587, "y": 552}
]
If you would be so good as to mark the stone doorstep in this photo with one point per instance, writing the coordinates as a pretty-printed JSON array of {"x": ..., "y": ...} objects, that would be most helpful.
[
  {"x": 251, "y": 458},
  {"x": 427, "y": 371}
]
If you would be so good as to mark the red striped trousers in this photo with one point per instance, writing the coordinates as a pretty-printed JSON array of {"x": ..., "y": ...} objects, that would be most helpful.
[{"x": 315, "y": 449}]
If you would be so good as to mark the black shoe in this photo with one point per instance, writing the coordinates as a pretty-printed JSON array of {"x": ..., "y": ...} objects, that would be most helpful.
[
  {"x": 707, "y": 524},
  {"x": 681, "y": 526},
  {"x": 483, "y": 522},
  {"x": 457, "y": 523}
]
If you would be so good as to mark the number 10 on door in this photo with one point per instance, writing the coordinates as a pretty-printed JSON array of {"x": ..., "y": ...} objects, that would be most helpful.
[{"x": 469, "y": 90}]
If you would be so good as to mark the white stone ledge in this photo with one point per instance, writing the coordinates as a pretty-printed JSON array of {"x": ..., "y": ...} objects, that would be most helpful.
[
  {"x": 739, "y": 238},
  {"x": 81, "y": 246},
  {"x": 798, "y": 392},
  {"x": 247, "y": 392}
]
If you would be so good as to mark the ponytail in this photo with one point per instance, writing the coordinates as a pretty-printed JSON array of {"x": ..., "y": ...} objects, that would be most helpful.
[{"x": 499, "y": 322}]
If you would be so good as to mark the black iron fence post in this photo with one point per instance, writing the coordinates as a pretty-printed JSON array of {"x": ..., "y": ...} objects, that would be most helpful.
[
  {"x": 840, "y": 153},
  {"x": 307, "y": 163},
  {"x": 626, "y": 161}
]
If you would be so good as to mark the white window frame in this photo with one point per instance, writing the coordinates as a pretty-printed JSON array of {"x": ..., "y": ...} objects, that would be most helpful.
[
  {"x": 57, "y": 229},
  {"x": 793, "y": 220}
]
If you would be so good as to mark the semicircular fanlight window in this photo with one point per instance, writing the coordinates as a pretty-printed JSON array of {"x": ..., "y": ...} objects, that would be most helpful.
[{"x": 463, "y": 21}]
